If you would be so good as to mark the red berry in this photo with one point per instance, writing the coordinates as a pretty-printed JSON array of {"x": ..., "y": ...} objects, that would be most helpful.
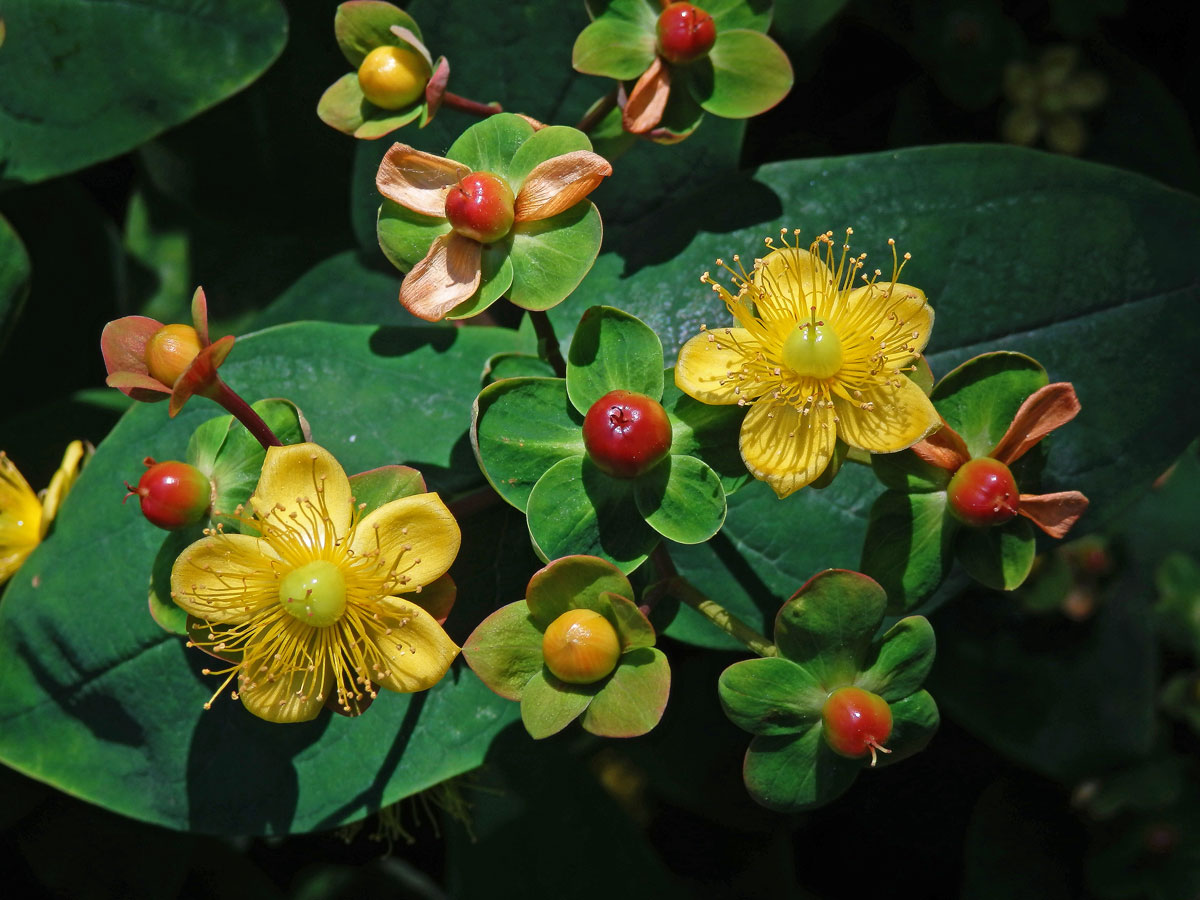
[
  {"x": 481, "y": 207},
  {"x": 626, "y": 433},
  {"x": 685, "y": 33},
  {"x": 856, "y": 722},
  {"x": 983, "y": 492},
  {"x": 173, "y": 494}
]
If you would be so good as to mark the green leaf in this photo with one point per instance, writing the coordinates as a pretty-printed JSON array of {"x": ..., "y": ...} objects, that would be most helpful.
[
  {"x": 551, "y": 256},
  {"x": 495, "y": 278},
  {"x": 614, "y": 48},
  {"x": 1000, "y": 557},
  {"x": 516, "y": 365},
  {"x": 546, "y": 143},
  {"x": 239, "y": 460},
  {"x": 799, "y": 21},
  {"x": 491, "y": 145},
  {"x": 14, "y": 278},
  {"x": 163, "y": 610},
  {"x": 406, "y": 236},
  {"x": 612, "y": 350},
  {"x": 902, "y": 660},
  {"x": 343, "y": 105},
  {"x": 633, "y": 628},
  {"x": 980, "y": 397},
  {"x": 121, "y": 721},
  {"x": 828, "y": 625},
  {"x": 908, "y": 546},
  {"x": 574, "y": 582},
  {"x": 362, "y": 25},
  {"x": 730, "y": 14},
  {"x": 770, "y": 696},
  {"x": 576, "y": 508},
  {"x": 707, "y": 432},
  {"x": 746, "y": 73},
  {"x": 65, "y": 105},
  {"x": 548, "y": 705},
  {"x": 632, "y": 700},
  {"x": 375, "y": 487},
  {"x": 682, "y": 499},
  {"x": 505, "y": 650},
  {"x": 915, "y": 718},
  {"x": 791, "y": 773},
  {"x": 520, "y": 428},
  {"x": 342, "y": 288}
]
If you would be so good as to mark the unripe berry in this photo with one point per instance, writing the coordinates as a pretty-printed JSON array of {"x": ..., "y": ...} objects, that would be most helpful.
[
  {"x": 626, "y": 434},
  {"x": 856, "y": 722},
  {"x": 581, "y": 647},
  {"x": 480, "y": 207},
  {"x": 170, "y": 351},
  {"x": 983, "y": 492},
  {"x": 173, "y": 494},
  {"x": 685, "y": 33},
  {"x": 393, "y": 77}
]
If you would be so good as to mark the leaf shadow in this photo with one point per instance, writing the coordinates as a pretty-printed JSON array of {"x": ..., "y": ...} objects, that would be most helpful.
[{"x": 401, "y": 340}]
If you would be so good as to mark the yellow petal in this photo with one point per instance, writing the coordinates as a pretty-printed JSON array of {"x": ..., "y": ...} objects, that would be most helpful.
[
  {"x": 559, "y": 183},
  {"x": 418, "y": 652},
  {"x": 20, "y": 519},
  {"x": 709, "y": 363},
  {"x": 447, "y": 276},
  {"x": 225, "y": 578},
  {"x": 416, "y": 537},
  {"x": 900, "y": 417},
  {"x": 785, "y": 448},
  {"x": 914, "y": 315},
  {"x": 304, "y": 490},
  {"x": 297, "y": 697},
  {"x": 418, "y": 181},
  {"x": 63, "y": 481},
  {"x": 796, "y": 277}
]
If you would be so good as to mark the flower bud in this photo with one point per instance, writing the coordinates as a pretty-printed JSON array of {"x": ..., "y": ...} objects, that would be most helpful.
[
  {"x": 581, "y": 647},
  {"x": 170, "y": 351}
]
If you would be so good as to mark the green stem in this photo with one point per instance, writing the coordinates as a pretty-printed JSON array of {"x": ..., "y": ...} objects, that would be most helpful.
[
  {"x": 548, "y": 342},
  {"x": 243, "y": 412},
  {"x": 474, "y": 107},
  {"x": 599, "y": 110},
  {"x": 683, "y": 590}
]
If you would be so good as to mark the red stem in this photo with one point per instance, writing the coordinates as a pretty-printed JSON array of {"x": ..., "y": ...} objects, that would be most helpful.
[
  {"x": 243, "y": 412},
  {"x": 475, "y": 108}
]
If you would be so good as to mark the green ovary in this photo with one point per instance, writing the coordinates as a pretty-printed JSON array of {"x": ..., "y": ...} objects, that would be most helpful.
[
  {"x": 814, "y": 351},
  {"x": 315, "y": 593}
]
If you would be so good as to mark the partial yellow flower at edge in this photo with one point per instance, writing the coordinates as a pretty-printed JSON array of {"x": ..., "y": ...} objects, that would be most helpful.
[
  {"x": 816, "y": 358},
  {"x": 24, "y": 519},
  {"x": 319, "y": 606}
]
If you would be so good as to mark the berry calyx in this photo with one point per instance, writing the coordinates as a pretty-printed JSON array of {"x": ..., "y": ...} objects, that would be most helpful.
[
  {"x": 393, "y": 77},
  {"x": 173, "y": 494},
  {"x": 626, "y": 434},
  {"x": 581, "y": 647},
  {"x": 170, "y": 351},
  {"x": 983, "y": 492},
  {"x": 856, "y": 722},
  {"x": 480, "y": 207},
  {"x": 315, "y": 593},
  {"x": 685, "y": 33}
]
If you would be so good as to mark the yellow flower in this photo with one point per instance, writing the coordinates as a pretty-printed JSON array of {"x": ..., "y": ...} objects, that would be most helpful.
[
  {"x": 817, "y": 357},
  {"x": 24, "y": 519},
  {"x": 322, "y": 603}
]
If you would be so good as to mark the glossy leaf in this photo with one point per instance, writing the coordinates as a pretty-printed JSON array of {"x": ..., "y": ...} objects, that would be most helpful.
[
  {"x": 827, "y": 627},
  {"x": 14, "y": 278},
  {"x": 614, "y": 48},
  {"x": 610, "y": 351},
  {"x": 915, "y": 719},
  {"x": 707, "y": 432},
  {"x": 902, "y": 660},
  {"x": 65, "y": 105},
  {"x": 375, "y": 487},
  {"x": 505, "y": 650},
  {"x": 770, "y": 696},
  {"x": 1000, "y": 557},
  {"x": 908, "y": 546},
  {"x": 576, "y": 508},
  {"x": 522, "y": 427},
  {"x": 794, "y": 772},
  {"x": 551, "y": 256},
  {"x": 362, "y": 25},
  {"x": 746, "y": 73},
  {"x": 574, "y": 582},
  {"x": 979, "y": 398},
  {"x": 548, "y": 706},
  {"x": 682, "y": 499}
]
